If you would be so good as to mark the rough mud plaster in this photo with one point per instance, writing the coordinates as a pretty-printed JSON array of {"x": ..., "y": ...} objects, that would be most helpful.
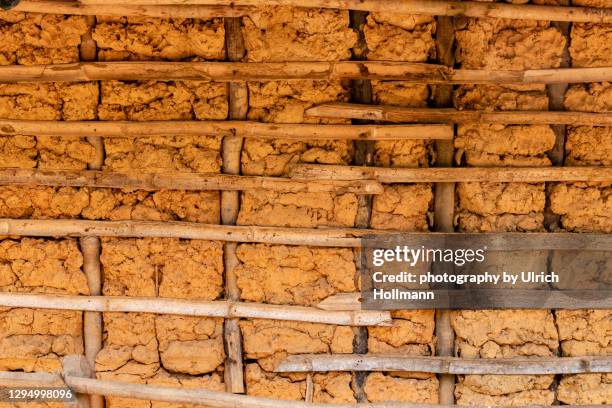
[
  {"x": 416, "y": 388},
  {"x": 412, "y": 333},
  {"x": 179, "y": 153},
  {"x": 272, "y": 157},
  {"x": 109, "y": 204},
  {"x": 286, "y": 101},
  {"x": 488, "y": 207},
  {"x": 37, "y": 339},
  {"x": 269, "y": 341},
  {"x": 405, "y": 207},
  {"x": 331, "y": 387},
  {"x": 142, "y": 38},
  {"x": 162, "y": 205},
  {"x": 309, "y": 210},
  {"x": 49, "y": 101},
  {"x": 400, "y": 93},
  {"x": 279, "y": 34},
  {"x": 586, "y": 207},
  {"x": 585, "y": 332},
  {"x": 404, "y": 153},
  {"x": 293, "y": 275},
  {"x": 162, "y": 349},
  {"x": 36, "y": 39},
  {"x": 503, "y": 145},
  {"x": 504, "y": 334},
  {"x": 163, "y": 100},
  {"x": 593, "y": 97},
  {"x": 591, "y": 45},
  {"x": 45, "y": 152},
  {"x": 592, "y": 3},
  {"x": 583, "y": 389},
  {"x": 501, "y": 97},
  {"x": 190, "y": 269},
  {"x": 493, "y": 43},
  {"x": 395, "y": 37}
]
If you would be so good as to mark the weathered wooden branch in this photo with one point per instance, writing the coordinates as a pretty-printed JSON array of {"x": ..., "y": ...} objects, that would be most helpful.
[
  {"x": 440, "y": 8},
  {"x": 272, "y": 71},
  {"x": 189, "y": 307},
  {"x": 216, "y": 399},
  {"x": 445, "y": 364},
  {"x": 447, "y": 174},
  {"x": 180, "y": 181},
  {"x": 323, "y": 237},
  {"x": 127, "y": 8},
  {"x": 449, "y": 115},
  {"x": 246, "y": 129}
]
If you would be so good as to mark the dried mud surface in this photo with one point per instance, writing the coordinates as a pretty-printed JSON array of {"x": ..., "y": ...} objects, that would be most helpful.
[
  {"x": 45, "y": 152},
  {"x": 308, "y": 210},
  {"x": 141, "y": 38},
  {"x": 403, "y": 207},
  {"x": 36, "y": 39},
  {"x": 109, "y": 204},
  {"x": 293, "y": 275},
  {"x": 37, "y": 339},
  {"x": 504, "y": 334},
  {"x": 279, "y": 34},
  {"x": 162, "y": 349}
]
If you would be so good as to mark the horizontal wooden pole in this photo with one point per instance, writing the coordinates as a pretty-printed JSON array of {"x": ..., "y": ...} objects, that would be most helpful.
[
  {"x": 198, "y": 396},
  {"x": 181, "y": 181},
  {"x": 445, "y": 365},
  {"x": 452, "y": 174},
  {"x": 440, "y": 8},
  {"x": 216, "y": 399},
  {"x": 268, "y": 71},
  {"x": 449, "y": 115},
  {"x": 129, "y": 9},
  {"x": 323, "y": 237},
  {"x": 246, "y": 129},
  {"x": 183, "y": 307}
]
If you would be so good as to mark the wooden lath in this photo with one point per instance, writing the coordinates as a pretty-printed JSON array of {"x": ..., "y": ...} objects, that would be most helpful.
[
  {"x": 197, "y": 396},
  {"x": 449, "y": 175},
  {"x": 320, "y": 237},
  {"x": 268, "y": 71},
  {"x": 129, "y": 9},
  {"x": 247, "y": 129},
  {"x": 440, "y": 8},
  {"x": 181, "y": 181},
  {"x": 445, "y": 364},
  {"x": 451, "y": 115},
  {"x": 191, "y": 307}
]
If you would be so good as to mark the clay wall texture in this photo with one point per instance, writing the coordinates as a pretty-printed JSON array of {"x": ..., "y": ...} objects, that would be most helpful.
[{"x": 189, "y": 351}]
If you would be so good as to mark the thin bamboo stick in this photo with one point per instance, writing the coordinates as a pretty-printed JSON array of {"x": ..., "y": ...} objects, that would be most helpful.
[
  {"x": 246, "y": 129},
  {"x": 323, "y": 237},
  {"x": 440, "y": 8},
  {"x": 447, "y": 115},
  {"x": 179, "y": 181},
  {"x": 448, "y": 175},
  {"x": 129, "y": 9},
  {"x": 92, "y": 321},
  {"x": 216, "y": 399},
  {"x": 445, "y": 364},
  {"x": 183, "y": 307},
  {"x": 444, "y": 204},
  {"x": 235, "y": 71},
  {"x": 230, "y": 206}
]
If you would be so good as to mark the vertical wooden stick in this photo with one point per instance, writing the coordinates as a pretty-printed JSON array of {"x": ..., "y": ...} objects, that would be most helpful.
[
  {"x": 361, "y": 92},
  {"x": 92, "y": 321},
  {"x": 444, "y": 200},
  {"x": 90, "y": 246},
  {"x": 230, "y": 205}
]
